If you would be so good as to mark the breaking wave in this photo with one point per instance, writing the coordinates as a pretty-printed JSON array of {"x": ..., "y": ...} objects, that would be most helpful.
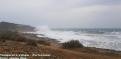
[{"x": 105, "y": 39}]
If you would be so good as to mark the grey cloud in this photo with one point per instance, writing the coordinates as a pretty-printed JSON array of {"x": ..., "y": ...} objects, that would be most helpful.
[{"x": 62, "y": 13}]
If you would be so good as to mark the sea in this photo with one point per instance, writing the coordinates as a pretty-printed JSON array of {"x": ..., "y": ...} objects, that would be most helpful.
[{"x": 106, "y": 38}]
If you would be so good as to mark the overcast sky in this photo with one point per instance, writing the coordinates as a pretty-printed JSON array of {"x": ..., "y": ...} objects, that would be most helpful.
[{"x": 63, "y": 13}]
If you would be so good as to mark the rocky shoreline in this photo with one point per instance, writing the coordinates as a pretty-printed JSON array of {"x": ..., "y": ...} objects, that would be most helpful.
[
  {"x": 57, "y": 44},
  {"x": 30, "y": 43}
]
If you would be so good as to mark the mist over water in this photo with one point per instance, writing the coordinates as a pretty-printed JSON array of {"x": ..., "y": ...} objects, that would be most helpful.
[{"x": 99, "y": 38}]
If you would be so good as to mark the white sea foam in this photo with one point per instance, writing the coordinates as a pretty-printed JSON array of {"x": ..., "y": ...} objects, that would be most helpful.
[{"x": 111, "y": 40}]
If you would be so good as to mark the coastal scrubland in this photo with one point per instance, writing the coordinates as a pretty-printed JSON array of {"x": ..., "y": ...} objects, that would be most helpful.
[{"x": 18, "y": 42}]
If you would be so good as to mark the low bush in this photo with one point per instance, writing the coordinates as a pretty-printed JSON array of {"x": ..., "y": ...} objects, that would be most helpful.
[
  {"x": 15, "y": 36},
  {"x": 7, "y": 35},
  {"x": 31, "y": 42},
  {"x": 72, "y": 44},
  {"x": 43, "y": 42}
]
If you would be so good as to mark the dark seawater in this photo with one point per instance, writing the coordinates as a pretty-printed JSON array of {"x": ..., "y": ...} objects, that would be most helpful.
[
  {"x": 100, "y": 38},
  {"x": 90, "y": 30}
]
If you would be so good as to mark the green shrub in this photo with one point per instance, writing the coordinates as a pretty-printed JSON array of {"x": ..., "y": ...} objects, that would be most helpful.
[
  {"x": 15, "y": 36},
  {"x": 31, "y": 42},
  {"x": 72, "y": 44},
  {"x": 42, "y": 42},
  {"x": 2, "y": 40},
  {"x": 10, "y": 35},
  {"x": 7, "y": 35},
  {"x": 20, "y": 38}
]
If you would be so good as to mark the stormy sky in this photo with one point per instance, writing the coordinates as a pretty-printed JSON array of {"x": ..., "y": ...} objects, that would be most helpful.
[{"x": 63, "y": 13}]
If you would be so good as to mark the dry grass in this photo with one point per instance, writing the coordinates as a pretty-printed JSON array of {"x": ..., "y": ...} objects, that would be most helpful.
[
  {"x": 81, "y": 53},
  {"x": 73, "y": 54}
]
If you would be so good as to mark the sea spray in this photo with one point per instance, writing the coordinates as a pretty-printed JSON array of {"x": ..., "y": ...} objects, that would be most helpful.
[{"x": 106, "y": 39}]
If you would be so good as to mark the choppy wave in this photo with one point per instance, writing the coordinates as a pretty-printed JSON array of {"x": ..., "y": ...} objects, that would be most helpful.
[{"x": 107, "y": 40}]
